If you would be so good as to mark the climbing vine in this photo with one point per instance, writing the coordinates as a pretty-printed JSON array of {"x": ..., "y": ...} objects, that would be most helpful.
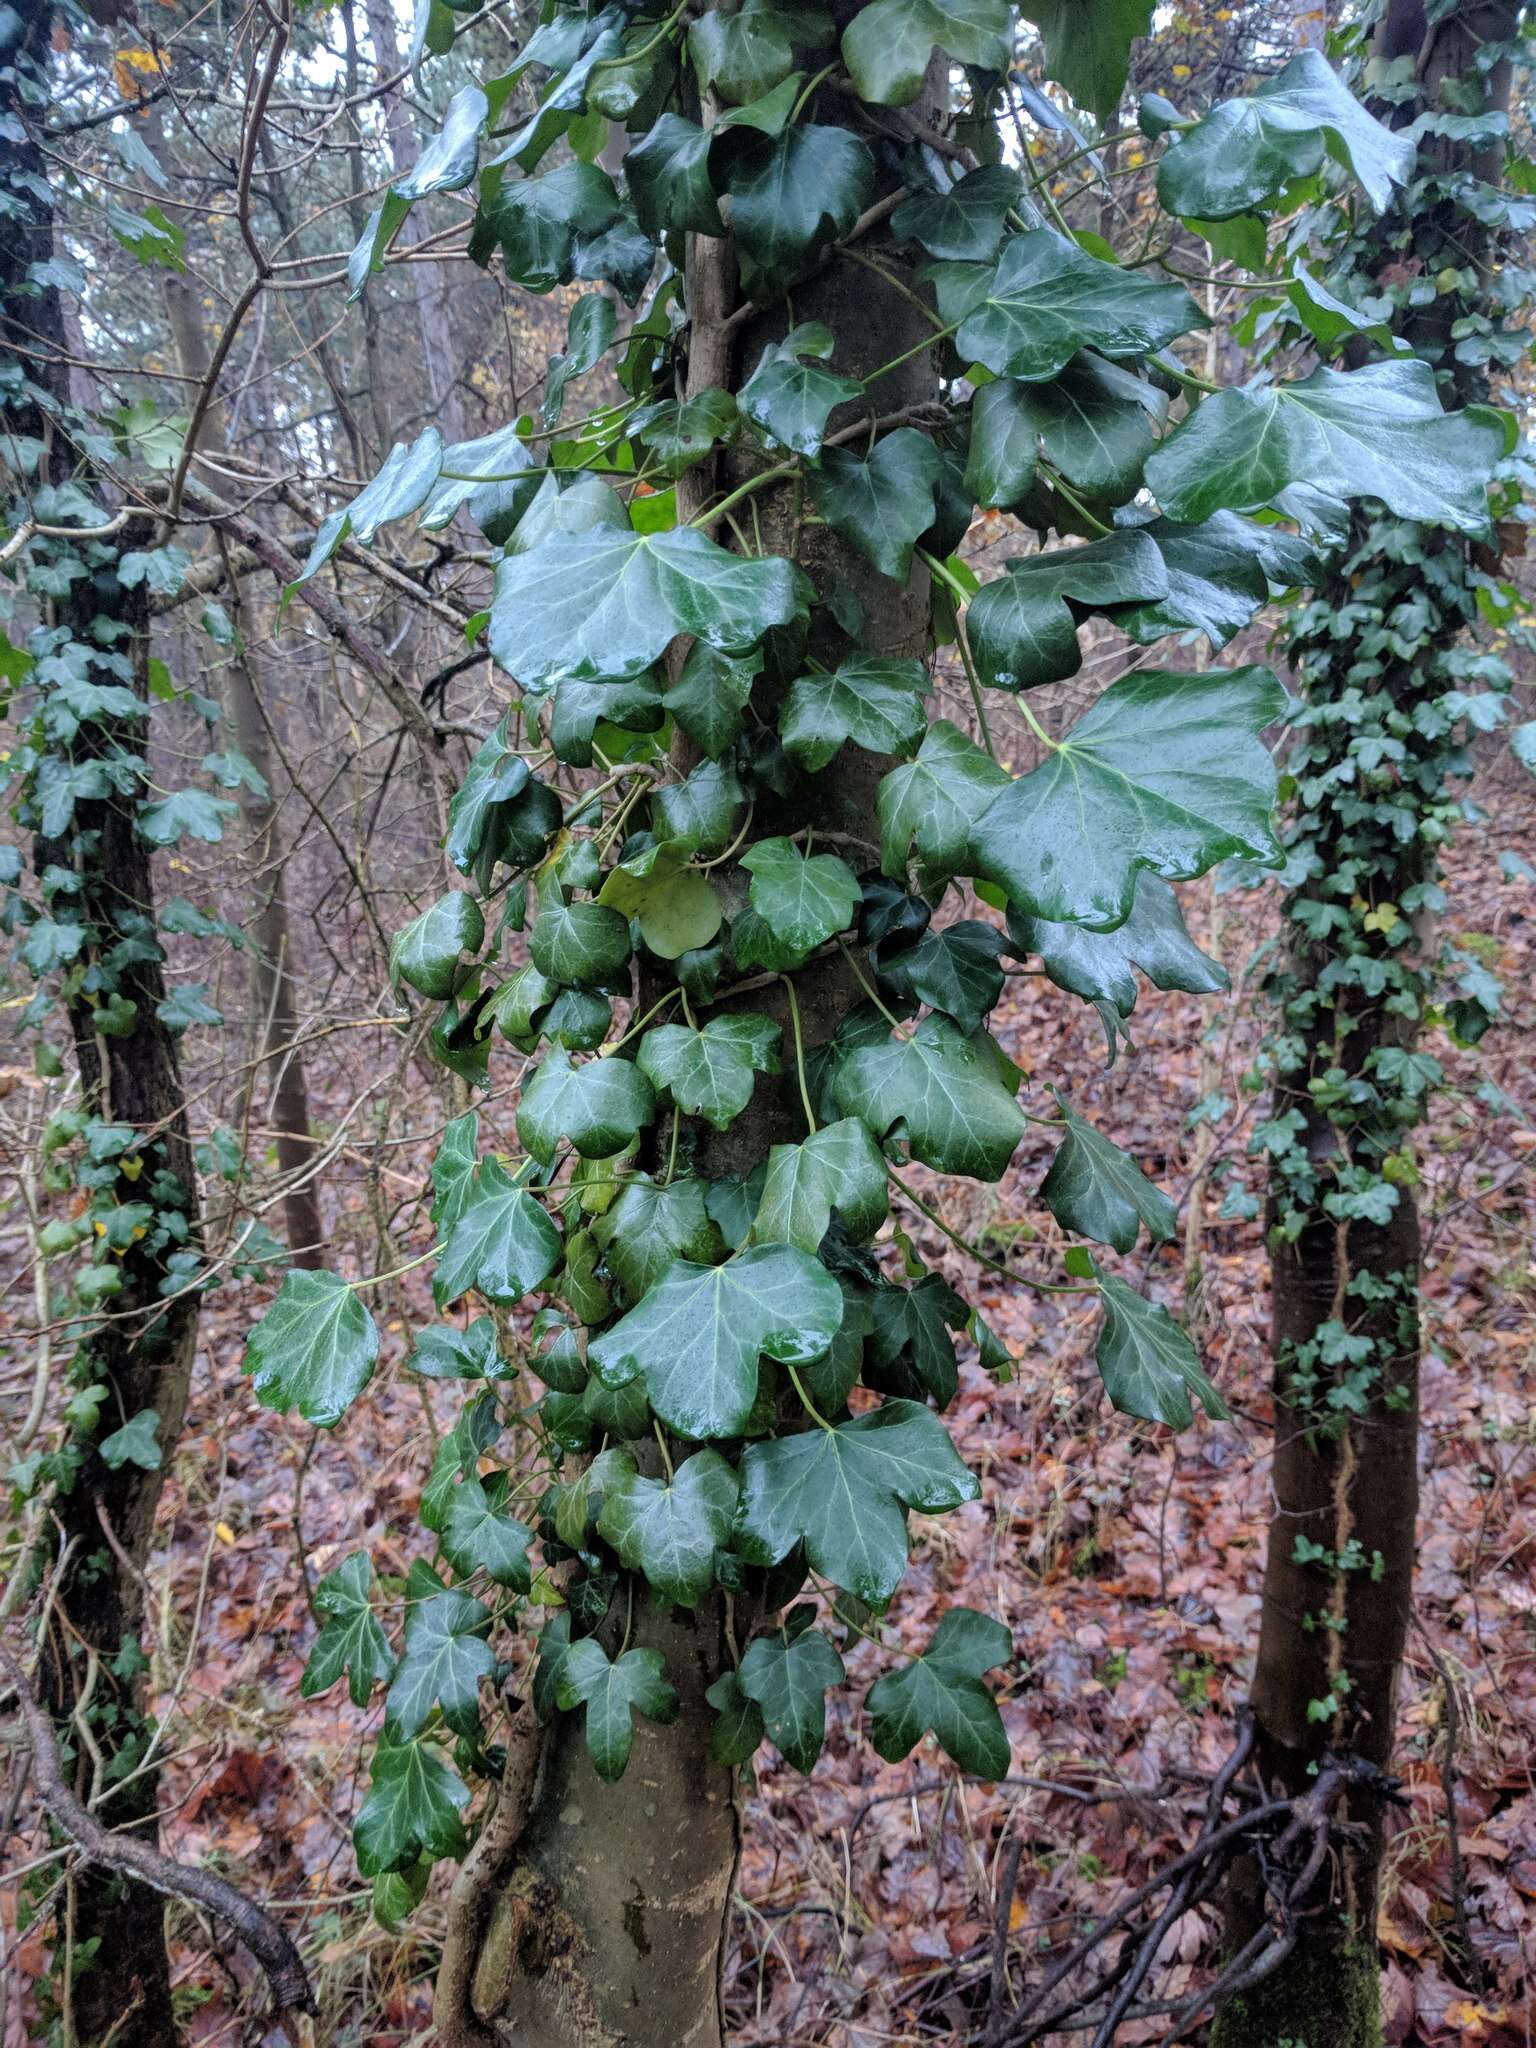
[{"x": 733, "y": 1384}]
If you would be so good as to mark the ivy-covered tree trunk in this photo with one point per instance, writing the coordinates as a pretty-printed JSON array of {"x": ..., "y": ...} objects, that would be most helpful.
[
  {"x": 613, "y": 1925},
  {"x": 1377, "y": 653}
]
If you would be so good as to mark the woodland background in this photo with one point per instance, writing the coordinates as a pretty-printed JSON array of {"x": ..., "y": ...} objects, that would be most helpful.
[{"x": 1126, "y": 1560}]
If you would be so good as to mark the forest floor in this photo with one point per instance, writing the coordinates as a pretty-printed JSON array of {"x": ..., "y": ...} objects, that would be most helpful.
[{"x": 1126, "y": 1560}]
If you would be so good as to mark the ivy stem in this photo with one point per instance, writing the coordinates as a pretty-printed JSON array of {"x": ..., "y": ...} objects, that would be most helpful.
[
  {"x": 961, "y": 596},
  {"x": 794, "y": 1019},
  {"x": 798, "y": 109},
  {"x": 671, "y": 996},
  {"x": 661, "y": 1445},
  {"x": 1063, "y": 489},
  {"x": 666, "y": 1179},
  {"x": 645, "y": 49},
  {"x": 864, "y": 983},
  {"x": 904, "y": 291},
  {"x": 377, "y": 1279},
  {"x": 807, "y": 1403},
  {"x": 984, "y": 1258}
]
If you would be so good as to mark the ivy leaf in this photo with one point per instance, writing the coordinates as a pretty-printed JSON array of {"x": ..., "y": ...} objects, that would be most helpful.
[
  {"x": 1219, "y": 575},
  {"x": 503, "y": 1244},
  {"x": 443, "y": 1351},
  {"x": 1046, "y": 298},
  {"x": 1100, "y": 1192},
  {"x": 838, "y": 1167},
  {"x": 412, "y": 1811},
  {"x": 933, "y": 802},
  {"x": 875, "y": 700},
  {"x": 788, "y": 1675},
  {"x": 1088, "y": 47},
  {"x": 882, "y": 506},
  {"x": 1099, "y": 966},
  {"x": 941, "y": 1693},
  {"x": 711, "y": 1073},
  {"x": 444, "y": 1659},
  {"x": 1004, "y": 451},
  {"x": 315, "y": 1347},
  {"x": 1165, "y": 772},
  {"x": 136, "y": 1443},
  {"x": 1378, "y": 432},
  {"x": 1095, "y": 423},
  {"x": 478, "y": 1534},
  {"x": 887, "y": 45},
  {"x": 536, "y": 221},
  {"x": 842, "y": 1492},
  {"x": 1244, "y": 153},
  {"x": 448, "y": 162},
  {"x": 942, "y": 1089},
  {"x": 670, "y": 1530},
  {"x": 426, "y": 951},
  {"x": 186, "y": 813},
  {"x": 350, "y": 1637},
  {"x": 790, "y": 401},
  {"x": 676, "y": 904},
  {"x": 696, "y": 1336},
  {"x": 739, "y": 1730},
  {"x": 803, "y": 900},
  {"x": 953, "y": 969},
  {"x": 1022, "y": 630},
  {"x": 748, "y": 53},
  {"x": 1147, "y": 1362},
  {"x": 612, "y": 1695},
  {"x": 605, "y": 604},
  {"x": 453, "y": 1171},
  {"x": 911, "y": 1337},
  {"x": 650, "y": 1226},
  {"x": 681, "y": 432},
  {"x": 964, "y": 224},
  {"x": 791, "y": 194},
  {"x": 581, "y": 944},
  {"x": 597, "y": 1108},
  {"x": 700, "y": 813},
  {"x": 709, "y": 696},
  {"x": 669, "y": 181},
  {"x": 495, "y": 775}
]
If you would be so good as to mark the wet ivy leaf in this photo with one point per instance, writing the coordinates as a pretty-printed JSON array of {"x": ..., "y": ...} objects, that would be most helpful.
[
  {"x": 843, "y": 1492},
  {"x": 1377, "y": 432},
  {"x": 748, "y": 53},
  {"x": 478, "y": 1534},
  {"x": 536, "y": 221},
  {"x": 941, "y": 1693},
  {"x": 448, "y": 162},
  {"x": 314, "y": 1348},
  {"x": 709, "y": 696},
  {"x": 1100, "y": 1192},
  {"x": 839, "y": 1167},
  {"x": 1165, "y": 772},
  {"x": 426, "y": 952},
  {"x": 739, "y": 1730},
  {"x": 1088, "y": 46},
  {"x": 882, "y": 506},
  {"x": 613, "y": 1693},
  {"x": 412, "y": 1810},
  {"x": 503, "y": 1244},
  {"x": 681, "y": 432},
  {"x": 711, "y": 1072},
  {"x": 605, "y": 604},
  {"x": 701, "y": 813},
  {"x": 887, "y": 46},
  {"x": 788, "y": 1675},
  {"x": 583, "y": 944},
  {"x": 943, "y": 1090},
  {"x": 803, "y": 900},
  {"x": 954, "y": 969},
  {"x": 964, "y": 224},
  {"x": 1045, "y": 299},
  {"x": 495, "y": 775},
  {"x": 696, "y": 1336},
  {"x": 1095, "y": 423},
  {"x": 597, "y": 1108},
  {"x": 789, "y": 400},
  {"x": 874, "y": 700},
  {"x": 676, "y": 905},
  {"x": 1146, "y": 1360},
  {"x": 1245, "y": 152},
  {"x": 649, "y": 1226},
  {"x": 932, "y": 803},
  {"x": 350, "y": 1637},
  {"x": 791, "y": 194},
  {"x": 1004, "y": 450},
  {"x": 1099, "y": 966},
  {"x": 443, "y": 1351},
  {"x": 671, "y": 1529},
  {"x": 444, "y": 1659},
  {"x": 453, "y": 1171},
  {"x": 668, "y": 174},
  {"x": 1023, "y": 632},
  {"x": 184, "y": 814},
  {"x": 1219, "y": 575}
]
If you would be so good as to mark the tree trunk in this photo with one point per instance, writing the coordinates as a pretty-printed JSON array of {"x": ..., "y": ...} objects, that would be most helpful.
[
  {"x": 611, "y": 1932},
  {"x": 1338, "y": 1582}
]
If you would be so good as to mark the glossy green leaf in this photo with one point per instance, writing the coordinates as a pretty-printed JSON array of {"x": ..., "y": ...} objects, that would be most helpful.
[
  {"x": 676, "y": 905},
  {"x": 788, "y": 1676},
  {"x": 453, "y": 1171},
  {"x": 1378, "y": 432},
  {"x": 803, "y": 900},
  {"x": 1219, "y": 576},
  {"x": 671, "y": 1529},
  {"x": 1005, "y": 445},
  {"x": 1022, "y": 630},
  {"x": 1100, "y": 1192},
  {"x": 580, "y": 943},
  {"x": 597, "y": 1108},
  {"x": 748, "y": 53},
  {"x": 888, "y": 44},
  {"x": 1095, "y": 423},
  {"x": 649, "y": 1226},
  {"x": 444, "y": 1659},
  {"x": 709, "y": 696},
  {"x": 412, "y": 1810},
  {"x": 941, "y": 1091},
  {"x": 874, "y": 700},
  {"x": 791, "y": 400},
  {"x": 495, "y": 775},
  {"x": 791, "y": 194},
  {"x": 954, "y": 969},
  {"x": 839, "y": 1167},
  {"x": 350, "y": 1637},
  {"x": 607, "y": 603},
  {"x": 941, "y": 1693},
  {"x": 739, "y": 1728},
  {"x": 965, "y": 223},
  {"x": 1245, "y": 152},
  {"x": 536, "y": 221},
  {"x": 882, "y": 506},
  {"x": 448, "y": 162},
  {"x": 314, "y": 1349},
  {"x": 1147, "y": 1362},
  {"x": 503, "y": 1244},
  {"x": 478, "y": 1534},
  {"x": 700, "y": 813},
  {"x": 443, "y": 1351},
  {"x": 1165, "y": 772},
  {"x": 1088, "y": 46},
  {"x": 931, "y": 804},
  {"x": 680, "y": 432},
  {"x": 711, "y": 1072},
  {"x": 842, "y": 1493},
  {"x": 613, "y": 1693},
  {"x": 669, "y": 181},
  {"x": 426, "y": 952},
  {"x": 1099, "y": 966},
  {"x": 696, "y": 1337}
]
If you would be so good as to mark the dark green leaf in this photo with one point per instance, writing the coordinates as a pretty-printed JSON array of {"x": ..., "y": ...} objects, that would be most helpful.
[
  {"x": 709, "y": 696},
  {"x": 839, "y": 1167},
  {"x": 1098, "y": 966},
  {"x": 1147, "y": 1362},
  {"x": 933, "y": 802},
  {"x": 650, "y": 1226},
  {"x": 503, "y": 1244},
  {"x": 1218, "y": 577},
  {"x": 670, "y": 1530},
  {"x": 426, "y": 951},
  {"x": 350, "y": 1637},
  {"x": 941, "y": 1693},
  {"x": 803, "y": 901},
  {"x": 888, "y": 44},
  {"x": 711, "y": 1073},
  {"x": 1022, "y": 630},
  {"x": 478, "y": 1534},
  {"x": 791, "y": 194},
  {"x": 882, "y": 506},
  {"x": 1004, "y": 451},
  {"x": 597, "y": 1108},
  {"x": 700, "y": 813},
  {"x": 443, "y": 1351},
  {"x": 748, "y": 53},
  {"x": 444, "y": 1659},
  {"x": 1100, "y": 1192},
  {"x": 1088, "y": 46},
  {"x": 669, "y": 180},
  {"x": 964, "y": 224},
  {"x": 612, "y": 1694},
  {"x": 788, "y": 1676},
  {"x": 953, "y": 969},
  {"x": 536, "y": 220},
  {"x": 943, "y": 1090},
  {"x": 1095, "y": 423},
  {"x": 315, "y": 1348},
  {"x": 585, "y": 944},
  {"x": 739, "y": 1729},
  {"x": 872, "y": 699},
  {"x": 790, "y": 400},
  {"x": 412, "y": 1810}
]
